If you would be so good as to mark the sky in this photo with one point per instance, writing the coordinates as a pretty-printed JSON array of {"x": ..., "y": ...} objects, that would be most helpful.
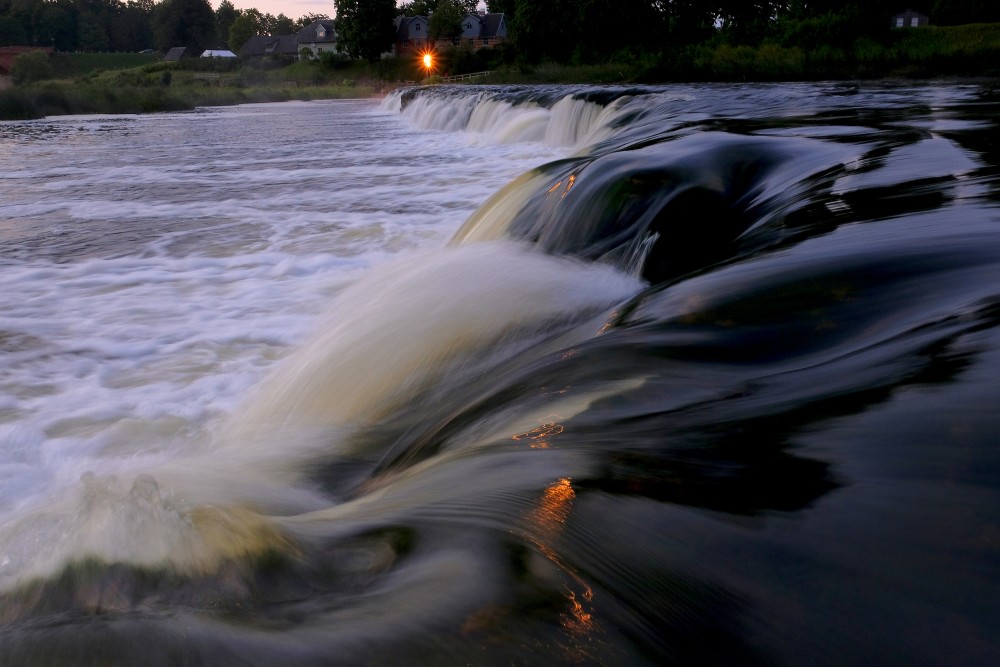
[{"x": 293, "y": 9}]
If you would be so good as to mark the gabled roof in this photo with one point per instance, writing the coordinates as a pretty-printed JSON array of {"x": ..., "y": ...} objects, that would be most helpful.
[
  {"x": 175, "y": 54},
  {"x": 309, "y": 34},
  {"x": 491, "y": 24},
  {"x": 218, "y": 53},
  {"x": 269, "y": 45},
  {"x": 403, "y": 24}
]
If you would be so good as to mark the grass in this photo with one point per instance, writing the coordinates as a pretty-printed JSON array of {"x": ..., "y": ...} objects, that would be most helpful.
[
  {"x": 156, "y": 86},
  {"x": 77, "y": 64}
]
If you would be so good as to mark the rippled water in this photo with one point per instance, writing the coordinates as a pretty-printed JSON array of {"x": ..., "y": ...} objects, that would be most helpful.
[{"x": 698, "y": 374}]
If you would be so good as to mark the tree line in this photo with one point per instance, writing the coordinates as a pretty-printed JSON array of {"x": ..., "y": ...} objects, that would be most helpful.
[
  {"x": 588, "y": 31},
  {"x": 135, "y": 25},
  {"x": 567, "y": 31},
  {"x": 596, "y": 31}
]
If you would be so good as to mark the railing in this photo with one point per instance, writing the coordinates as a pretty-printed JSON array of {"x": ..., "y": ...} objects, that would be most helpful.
[{"x": 465, "y": 77}]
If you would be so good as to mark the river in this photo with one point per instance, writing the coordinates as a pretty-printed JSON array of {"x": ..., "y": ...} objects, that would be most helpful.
[{"x": 699, "y": 374}]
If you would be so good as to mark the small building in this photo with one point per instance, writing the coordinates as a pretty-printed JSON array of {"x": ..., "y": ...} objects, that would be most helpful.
[
  {"x": 319, "y": 37},
  {"x": 910, "y": 19},
  {"x": 175, "y": 54},
  {"x": 218, "y": 53}
]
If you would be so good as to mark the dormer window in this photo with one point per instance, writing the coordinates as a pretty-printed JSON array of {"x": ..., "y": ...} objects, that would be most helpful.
[{"x": 321, "y": 32}]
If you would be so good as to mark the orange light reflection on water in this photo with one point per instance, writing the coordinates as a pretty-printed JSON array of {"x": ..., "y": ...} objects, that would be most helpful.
[
  {"x": 570, "y": 182},
  {"x": 546, "y": 521},
  {"x": 538, "y": 437}
]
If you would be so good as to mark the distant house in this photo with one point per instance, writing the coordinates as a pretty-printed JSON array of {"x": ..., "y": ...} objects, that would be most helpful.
[
  {"x": 263, "y": 46},
  {"x": 490, "y": 31},
  {"x": 218, "y": 53},
  {"x": 8, "y": 53},
  {"x": 412, "y": 35},
  {"x": 910, "y": 19},
  {"x": 478, "y": 31},
  {"x": 175, "y": 54},
  {"x": 319, "y": 37}
]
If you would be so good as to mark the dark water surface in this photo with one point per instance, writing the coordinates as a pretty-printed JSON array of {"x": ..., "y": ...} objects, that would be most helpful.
[{"x": 719, "y": 385}]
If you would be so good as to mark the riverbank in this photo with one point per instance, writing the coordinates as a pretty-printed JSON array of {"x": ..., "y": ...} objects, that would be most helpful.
[{"x": 128, "y": 83}]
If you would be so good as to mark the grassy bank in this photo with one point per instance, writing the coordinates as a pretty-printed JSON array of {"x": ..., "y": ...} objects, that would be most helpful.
[{"x": 182, "y": 86}]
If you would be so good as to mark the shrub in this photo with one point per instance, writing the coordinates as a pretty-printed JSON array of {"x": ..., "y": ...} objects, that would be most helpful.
[
  {"x": 332, "y": 60},
  {"x": 17, "y": 105},
  {"x": 31, "y": 67}
]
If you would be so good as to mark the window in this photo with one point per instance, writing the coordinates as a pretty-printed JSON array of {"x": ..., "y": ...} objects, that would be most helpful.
[
  {"x": 914, "y": 22},
  {"x": 900, "y": 22}
]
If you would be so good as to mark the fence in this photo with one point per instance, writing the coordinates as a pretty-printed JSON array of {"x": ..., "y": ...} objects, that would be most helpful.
[{"x": 465, "y": 77}]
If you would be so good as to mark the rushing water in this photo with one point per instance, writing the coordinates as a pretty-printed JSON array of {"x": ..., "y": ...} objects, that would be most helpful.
[{"x": 696, "y": 375}]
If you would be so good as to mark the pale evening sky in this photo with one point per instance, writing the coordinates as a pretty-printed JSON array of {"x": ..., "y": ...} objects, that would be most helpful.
[{"x": 293, "y": 9}]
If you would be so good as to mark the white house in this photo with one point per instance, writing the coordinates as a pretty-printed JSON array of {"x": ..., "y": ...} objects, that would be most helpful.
[{"x": 318, "y": 37}]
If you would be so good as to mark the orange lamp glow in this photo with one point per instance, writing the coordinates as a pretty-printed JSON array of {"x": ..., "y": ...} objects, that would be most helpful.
[{"x": 428, "y": 61}]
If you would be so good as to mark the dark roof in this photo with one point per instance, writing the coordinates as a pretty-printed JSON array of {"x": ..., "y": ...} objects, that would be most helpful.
[
  {"x": 269, "y": 45},
  {"x": 308, "y": 34},
  {"x": 175, "y": 54},
  {"x": 909, "y": 13},
  {"x": 491, "y": 24},
  {"x": 403, "y": 26}
]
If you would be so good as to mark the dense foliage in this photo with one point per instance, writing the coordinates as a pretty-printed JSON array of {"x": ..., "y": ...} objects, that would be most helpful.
[
  {"x": 596, "y": 31},
  {"x": 365, "y": 28},
  {"x": 134, "y": 25}
]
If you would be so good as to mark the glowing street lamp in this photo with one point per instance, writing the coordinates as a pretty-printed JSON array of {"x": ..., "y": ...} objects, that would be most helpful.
[{"x": 428, "y": 61}]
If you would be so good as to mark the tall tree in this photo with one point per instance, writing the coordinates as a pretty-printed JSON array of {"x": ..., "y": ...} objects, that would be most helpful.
[
  {"x": 225, "y": 14},
  {"x": 365, "y": 28},
  {"x": 501, "y": 6},
  {"x": 56, "y": 26},
  {"x": 131, "y": 27},
  {"x": 604, "y": 29},
  {"x": 248, "y": 24},
  {"x": 189, "y": 23},
  {"x": 745, "y": 21},
  {"x": 281, "y": 25},
  {"x": 12, "y": 32},
  {"x": 417, "y": 7},
  {"x": 306, "y": 19},
  {"x": 91, "y": 34},
  {"x": 446, "y": 20},
  {"x": 544, "y": 30}
]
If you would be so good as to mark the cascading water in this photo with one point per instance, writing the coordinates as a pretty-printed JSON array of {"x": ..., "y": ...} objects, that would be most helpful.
[{"x": 712, "y": 381}]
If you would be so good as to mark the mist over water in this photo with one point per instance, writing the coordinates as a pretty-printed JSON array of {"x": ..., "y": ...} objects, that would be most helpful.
[{"x": 697, "y": 374}]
